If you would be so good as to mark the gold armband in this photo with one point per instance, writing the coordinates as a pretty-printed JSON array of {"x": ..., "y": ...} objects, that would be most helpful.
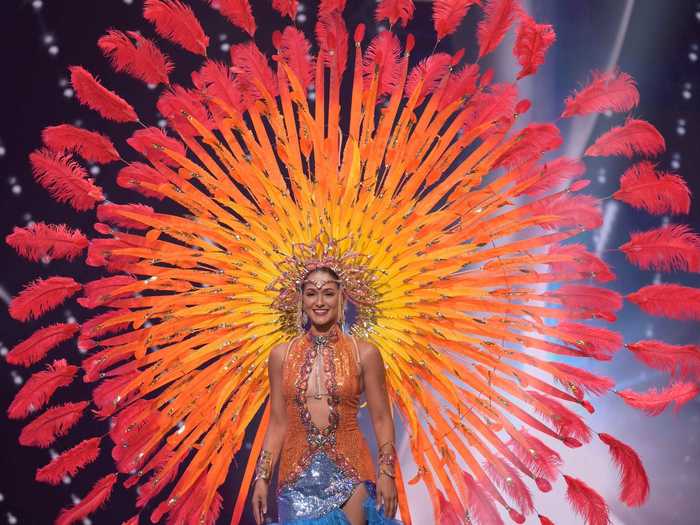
[{"x": 263, "y": 469}]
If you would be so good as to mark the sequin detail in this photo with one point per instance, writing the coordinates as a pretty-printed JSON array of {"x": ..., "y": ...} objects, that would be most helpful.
[
  {"x": 321, "y": 488},
  {"x": 310, "y": 500},
  {"x": 341, "y": 440}
]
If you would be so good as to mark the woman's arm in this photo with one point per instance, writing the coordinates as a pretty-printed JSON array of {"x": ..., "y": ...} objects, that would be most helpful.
[
  {"x": 377, "y": 396},
  {"x": 274, "y": 437},
  {"x": 276, "y": 429}
]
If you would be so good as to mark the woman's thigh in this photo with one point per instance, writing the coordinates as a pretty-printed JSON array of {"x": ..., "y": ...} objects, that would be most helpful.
[{"x": 353, "y": 506}]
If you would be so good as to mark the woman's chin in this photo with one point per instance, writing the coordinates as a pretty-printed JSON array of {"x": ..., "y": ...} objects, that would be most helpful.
[{"x": 322, "y": 320}]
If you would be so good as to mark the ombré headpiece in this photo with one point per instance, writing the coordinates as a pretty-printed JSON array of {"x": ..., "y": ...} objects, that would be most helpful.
[{"x": 354, "y": 278}]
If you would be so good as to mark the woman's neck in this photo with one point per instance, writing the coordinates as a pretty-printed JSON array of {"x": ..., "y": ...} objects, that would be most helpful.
[{"x": 323, "y": 329}]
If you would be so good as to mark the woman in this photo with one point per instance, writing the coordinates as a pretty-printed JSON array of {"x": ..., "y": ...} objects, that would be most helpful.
[{"x": 326, "y": 474}]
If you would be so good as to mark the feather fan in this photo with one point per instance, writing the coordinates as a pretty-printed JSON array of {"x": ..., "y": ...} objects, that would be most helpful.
[
  {"x": 53, "y": 423},
  {"x": 295, "y": 50},
  {"x": 176, "y": 22},
  {"x": 90, "y": 145},
  {"x": 448, "y": 14},
  {"x": 178, "y": 102},
  {"x": 532, "y": 42},
  {"x": 586, "y": 502},
  {"x": 594, "y": 341},
  {"x": 150, "y": 141},
  {"x": 567, "y": 423},
  {"x": 654, "y": 401},
  {"x": 679, "y": 360},
  {"x": 286, "y": 8},
  {"x": 511, "y": 483},
  {"x": 461, "y": 84},
  {"x": 101, "y": 292},
  {"x": 55, "y": 241},
  {"x": 94, "y": 95},
  {"x": 42, "y": 295},
  {"x": 634, "y": 481},
  {"x": 530, "y": 143},
  {"x": 499, "y": 15},
  {"x": 249, "y": 63},
  {"x": 538, "y": 457},
  {"x": 608, "y": 91},
  {"x": 579, "y": 380},
  {"x": 115, "y": 214},
  {"x": 655, "y": 192},
  {"x": 586, "y": 300},
  {"x": 668, "y": 300},
  {"x": 93, "y": 500},
  {"x": 65, "y": 179},
  {"x": 332, "y": 38},
  {"x": 36, "y": 346},
  {"x": 575, "y": 259},
  {"x": 383, "y": 55},
  {"x": 139, "y": 58},
  {"x": 494, "y": 106},
  {"x": 69, "y": 462},
  {"x": 39, "y": 388},
  {"x": 633, "y": 137},
  {"x": 431, "y": 71},
  {"x": 480, "y": 505},
  {"x": 553, "y": 173},
  {"x": 136, "y": 175},
  {"x": 238, "y": 12},
  {"x": 666, "y": 249},
  {"x": 394, "y": 10},
  {"x": 217, "y": 84},
  {"x": 570, "y": 211}
]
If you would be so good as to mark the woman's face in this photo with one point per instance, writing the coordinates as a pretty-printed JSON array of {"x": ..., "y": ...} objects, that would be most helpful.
[{"x": 320, "y": 298}]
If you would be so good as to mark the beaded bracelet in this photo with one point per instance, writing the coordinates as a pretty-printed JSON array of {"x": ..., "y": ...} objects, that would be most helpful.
[
  {"x": 387, "y": 473},
  {"x": 387, "y": 458}
]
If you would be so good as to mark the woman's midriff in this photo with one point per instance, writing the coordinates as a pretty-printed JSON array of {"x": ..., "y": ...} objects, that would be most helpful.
[
  {"x": 346, "y": 446},
  {"x": 329, "y": 423}
]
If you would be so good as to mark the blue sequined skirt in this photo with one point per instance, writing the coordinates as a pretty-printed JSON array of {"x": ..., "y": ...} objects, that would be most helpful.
[{"x": 317, "y": 495}]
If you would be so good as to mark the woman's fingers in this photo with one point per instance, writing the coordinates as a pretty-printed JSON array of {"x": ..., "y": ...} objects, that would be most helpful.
[
  {"x": 389, "y": 501},
  {"x": 259, "y": 515},
  {"x": 391, "y": 507}
]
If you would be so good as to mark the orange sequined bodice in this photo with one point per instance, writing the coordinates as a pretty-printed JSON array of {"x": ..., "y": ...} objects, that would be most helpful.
[{"x": 335, "y": 369}]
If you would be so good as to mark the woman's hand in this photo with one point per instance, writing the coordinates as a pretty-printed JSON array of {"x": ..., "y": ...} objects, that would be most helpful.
[
  {"x": 259, "y": 501},
  {"x": 386, "y": 494}
]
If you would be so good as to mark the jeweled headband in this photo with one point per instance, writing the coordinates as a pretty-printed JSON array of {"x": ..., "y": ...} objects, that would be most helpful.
[{"x": 354, "y": 277}]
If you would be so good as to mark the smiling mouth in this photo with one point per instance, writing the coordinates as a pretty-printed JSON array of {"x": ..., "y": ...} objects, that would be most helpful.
[{"x": 320, "y": 312}]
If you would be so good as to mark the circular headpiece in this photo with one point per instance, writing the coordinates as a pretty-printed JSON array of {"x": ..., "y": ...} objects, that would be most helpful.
[{"x": 355, "y": 280}]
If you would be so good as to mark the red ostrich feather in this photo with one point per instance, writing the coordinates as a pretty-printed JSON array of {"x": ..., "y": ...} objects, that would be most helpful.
[
  {"x": 97, "y": 97},
  {"x": 90, "y": 145}
]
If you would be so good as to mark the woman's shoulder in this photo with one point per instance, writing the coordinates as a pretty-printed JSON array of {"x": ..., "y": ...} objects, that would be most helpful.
[
  {"x": 367, "y": 351},
  {"x": 277, "y": 352}
]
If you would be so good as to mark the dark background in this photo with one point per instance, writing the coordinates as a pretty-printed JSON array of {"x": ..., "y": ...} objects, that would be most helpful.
[{"x": 660, "y": 50}]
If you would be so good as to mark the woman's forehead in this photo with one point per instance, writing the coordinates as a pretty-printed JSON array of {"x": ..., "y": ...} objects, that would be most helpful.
[
  {"x": 320, "y": 280},
  {"x": 320, "y": 284}
]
